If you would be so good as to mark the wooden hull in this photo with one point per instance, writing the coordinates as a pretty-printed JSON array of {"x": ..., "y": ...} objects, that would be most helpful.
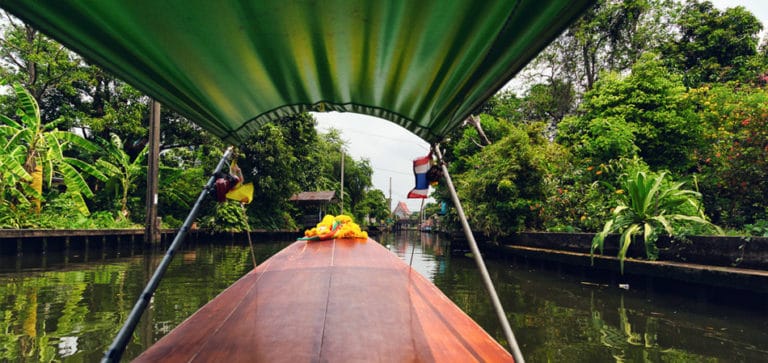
[{"x": 333, "y": 301}]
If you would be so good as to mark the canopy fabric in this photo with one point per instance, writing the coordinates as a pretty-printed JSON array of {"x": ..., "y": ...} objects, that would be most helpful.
[{"x": 232, "y": 65}]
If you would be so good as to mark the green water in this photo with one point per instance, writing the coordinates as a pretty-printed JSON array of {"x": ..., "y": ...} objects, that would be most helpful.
[{"x": 69, "y": 306}]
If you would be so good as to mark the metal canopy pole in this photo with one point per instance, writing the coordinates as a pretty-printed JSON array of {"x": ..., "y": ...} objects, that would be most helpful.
[
  {"x": 480, "y": 263},
  {"x": 117, "y": 348}
]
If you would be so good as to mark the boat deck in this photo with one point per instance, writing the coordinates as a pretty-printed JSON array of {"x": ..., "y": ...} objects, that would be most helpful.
[{"x": 333, "y": 301}]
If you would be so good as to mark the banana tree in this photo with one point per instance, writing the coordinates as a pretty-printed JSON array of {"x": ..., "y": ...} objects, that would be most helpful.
[
  {"x": 120, "y": 170},
  {"x": 649, "y": 206},
  {"x": 33, "y": 152}
]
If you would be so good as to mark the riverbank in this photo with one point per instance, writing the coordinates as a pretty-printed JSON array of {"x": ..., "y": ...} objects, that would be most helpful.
[
  {"x": 730, "y": 270},
  {"x": 42, "y": 241}
]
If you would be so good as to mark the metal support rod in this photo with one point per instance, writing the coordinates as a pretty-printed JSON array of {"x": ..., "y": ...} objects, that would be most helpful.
[
  {"x": 480, "y": 263},
  {"x": 117, "y": 348}
]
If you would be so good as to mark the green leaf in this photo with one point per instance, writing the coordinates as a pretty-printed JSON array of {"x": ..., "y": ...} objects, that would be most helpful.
[
  {"x": 10, "y": 164},
  {"x": 110, "y": 168},
  {"x": 74, "y": 180},
  {"x": 10, "y": 122},
  {"x": 75, "y": 140},
  {"x": 88, "y": 168},
  {"x": 625, "y": 241},
  {"x": 29, "y": 107}
]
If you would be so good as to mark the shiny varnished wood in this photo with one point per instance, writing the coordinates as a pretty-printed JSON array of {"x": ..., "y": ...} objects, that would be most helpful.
[{"x": 333, "y": 301}]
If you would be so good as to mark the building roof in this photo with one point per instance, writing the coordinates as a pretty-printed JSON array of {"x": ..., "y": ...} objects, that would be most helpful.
[
  {"x": 321, "y": 196},
  {"x": 403, "y": 207}
]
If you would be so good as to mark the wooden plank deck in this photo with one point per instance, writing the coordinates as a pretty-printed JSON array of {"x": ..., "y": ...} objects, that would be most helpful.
[{"x": 333, "y": 301}]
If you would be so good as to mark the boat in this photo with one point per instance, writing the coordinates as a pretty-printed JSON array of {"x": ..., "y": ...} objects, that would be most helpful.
[
  {"x": 231, "y": 66},
  {"x": 341, "y": 300}
]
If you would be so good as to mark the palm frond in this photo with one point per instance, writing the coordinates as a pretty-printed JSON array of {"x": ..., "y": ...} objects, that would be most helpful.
[
  {"x": 111, "y": 169},
  {"x": 74, "y": 180},
  {"x": 29, "y": 111},
  {"x": 10, "y": 122},
  {"x": 12, "y": 165},
  {"x": 23, "y": 136},
  {"x": 88, "y": 168},
  {"x": 75, "y": 140}
]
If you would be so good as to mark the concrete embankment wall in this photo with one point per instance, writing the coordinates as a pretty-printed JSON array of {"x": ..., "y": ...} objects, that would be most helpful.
[
  {"x": 732, "y": 264},
  {"x": 741, "y": 252},
  {"x": 41, "y": 241}
]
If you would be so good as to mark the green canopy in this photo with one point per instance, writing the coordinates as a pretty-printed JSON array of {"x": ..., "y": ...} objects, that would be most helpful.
[{"x": 232, "y": 65}]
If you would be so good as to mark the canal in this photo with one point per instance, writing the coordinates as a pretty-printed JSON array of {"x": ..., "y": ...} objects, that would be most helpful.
[{"x": 69, "y": 306}]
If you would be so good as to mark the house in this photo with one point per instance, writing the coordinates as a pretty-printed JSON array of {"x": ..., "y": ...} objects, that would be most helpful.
[
  {"x": 312, "y": 205},
  {"x": 401, "y": 211}
]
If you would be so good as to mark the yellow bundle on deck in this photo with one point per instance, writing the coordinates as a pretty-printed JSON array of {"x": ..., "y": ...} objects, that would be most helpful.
[{"x": 341, "y": 226}]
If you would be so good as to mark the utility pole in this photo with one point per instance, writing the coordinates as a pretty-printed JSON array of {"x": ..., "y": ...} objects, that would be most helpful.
[
  {"x": 151, "y": 226},
  {"x": 342, "y": 181},
  {"x": 389, "y": 200}
]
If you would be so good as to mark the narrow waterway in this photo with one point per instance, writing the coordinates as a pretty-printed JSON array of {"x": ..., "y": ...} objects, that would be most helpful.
[{"x": 69, "y": 306}]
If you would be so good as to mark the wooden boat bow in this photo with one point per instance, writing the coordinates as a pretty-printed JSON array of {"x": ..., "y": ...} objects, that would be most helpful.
[{"x": 343, "y": 300}]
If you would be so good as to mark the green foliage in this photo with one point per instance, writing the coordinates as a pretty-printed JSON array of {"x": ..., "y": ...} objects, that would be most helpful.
[
  {"x": 649, "y": 205},
  {"x": 44, "y": 67},
  {"x": 733, "y": 168},
  {"x": 646, "y": 111},
  {"x": 601, "y": 139},
  {"x": 177, "y": 192},
  {"x": 610, "y": 36},
  {"x": 714, "y": 45},
  {"x": 373, "y": 205},
  {"x": 61, "y": 212},
  {"x": 120, "y": 170},
  {"x": 30, "y": 144},
  {"x": 227, "y": 217},
  {"x": 469, "y": 142},
  {"x": 759, "y": 228},
  {"x": 549, "y": 102},
  {"x": 503, "y": 105},
  {"x": 580, "y": 194},
  {"x": 504, "y": 195}
]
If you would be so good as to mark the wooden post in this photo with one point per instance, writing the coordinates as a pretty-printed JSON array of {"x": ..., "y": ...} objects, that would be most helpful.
[{"x": 153, "y": 162}]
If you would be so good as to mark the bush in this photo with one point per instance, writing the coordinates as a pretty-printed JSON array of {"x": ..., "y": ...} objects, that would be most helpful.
[{"x": 650, "y": 205}]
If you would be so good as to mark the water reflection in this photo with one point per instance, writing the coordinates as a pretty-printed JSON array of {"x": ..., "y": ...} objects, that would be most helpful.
[
  {"x": 570, "y": 318},
  {"x": 72, "y": 311},
  {"x": 69, "y": 311}
]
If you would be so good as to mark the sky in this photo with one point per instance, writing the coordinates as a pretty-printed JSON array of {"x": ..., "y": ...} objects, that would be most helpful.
[{"x": 391, "y": 148}]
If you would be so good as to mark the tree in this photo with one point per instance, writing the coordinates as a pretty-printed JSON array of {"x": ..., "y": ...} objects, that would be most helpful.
[
  {"x": 44, "y": 67},
  {"x": 269, "y": 162},
  {"x": 733, "y": 167},
  {"x": 374, "y": 205},
  {"x": 502, "y": 192},
  {"x": 120, "y": 170},
  {"x": 646, "y": 111},
  {"x": 713, "y": 45},
  {"x": 549, "y": 103},
  {"x": 610, "y": 36},
  {"x": 42, "y": 151},
  {"x": 504, "y": 105}
]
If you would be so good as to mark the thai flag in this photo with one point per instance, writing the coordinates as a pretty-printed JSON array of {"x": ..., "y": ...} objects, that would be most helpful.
[{"x": 420, "y": 168}]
